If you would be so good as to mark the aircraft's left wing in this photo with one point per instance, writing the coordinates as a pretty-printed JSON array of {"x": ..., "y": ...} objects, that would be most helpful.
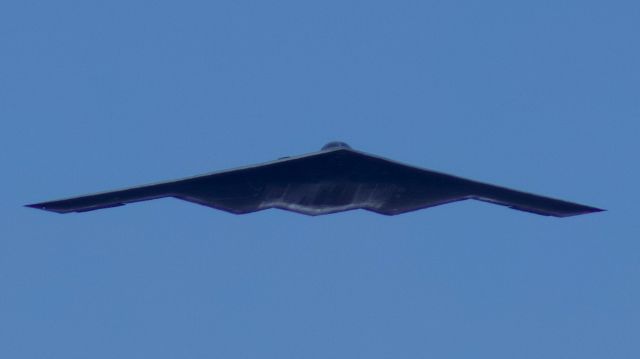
[
  {"x": 108, "y": 199},
  {"x": 235, "y": 190}
]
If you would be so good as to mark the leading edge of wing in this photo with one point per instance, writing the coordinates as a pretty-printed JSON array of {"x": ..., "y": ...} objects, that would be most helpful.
[{"x": 120, "y": 197}]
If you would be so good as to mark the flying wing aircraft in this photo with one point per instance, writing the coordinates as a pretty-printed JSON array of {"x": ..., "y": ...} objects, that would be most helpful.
[{"x": 336, "y": 178}]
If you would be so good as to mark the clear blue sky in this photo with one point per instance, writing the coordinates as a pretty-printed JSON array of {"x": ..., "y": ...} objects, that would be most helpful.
[{"x": 542, "y": 96}]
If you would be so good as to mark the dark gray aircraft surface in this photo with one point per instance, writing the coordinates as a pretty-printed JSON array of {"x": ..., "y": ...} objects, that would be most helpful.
[{"x": 334, "y": 179}]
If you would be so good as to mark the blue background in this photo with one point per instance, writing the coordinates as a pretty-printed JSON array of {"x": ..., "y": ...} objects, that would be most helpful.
[{"x": 542, "y": 96}]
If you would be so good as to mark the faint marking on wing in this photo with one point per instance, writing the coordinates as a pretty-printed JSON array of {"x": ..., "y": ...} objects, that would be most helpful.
[{"x": 105, "y": 199}]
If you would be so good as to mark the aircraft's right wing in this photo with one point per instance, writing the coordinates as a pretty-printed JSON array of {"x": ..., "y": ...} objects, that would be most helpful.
[
  {"x": 422, "y": 188},
  {"x": 528, "y": 202}
]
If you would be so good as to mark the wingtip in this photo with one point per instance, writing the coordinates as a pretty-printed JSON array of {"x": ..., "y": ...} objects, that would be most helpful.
[
  {"x": 587, "y": 210},
  {"x": 41, "y": 206},
  {"x": 35, "y": 205}
]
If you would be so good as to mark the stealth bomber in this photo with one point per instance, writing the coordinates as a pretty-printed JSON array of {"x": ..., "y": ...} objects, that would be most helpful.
[{"x": 337, "y": 178}]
